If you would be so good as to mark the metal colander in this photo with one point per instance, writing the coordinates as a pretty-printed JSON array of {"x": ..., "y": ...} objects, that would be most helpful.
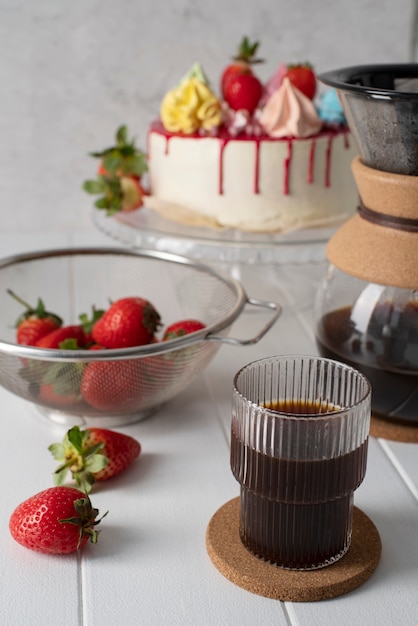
[{"x": 129, "y": 383}]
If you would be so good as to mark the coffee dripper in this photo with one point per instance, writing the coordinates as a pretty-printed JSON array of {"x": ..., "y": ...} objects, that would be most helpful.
[{"x": 367, "y": 304}]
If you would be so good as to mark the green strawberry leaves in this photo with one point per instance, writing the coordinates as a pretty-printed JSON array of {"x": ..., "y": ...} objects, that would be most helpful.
[
  {"x": 85, "y": 520},
  {"x": 88, "y": 322},
  {"x": 78, "y": 458},
  {"x": 64, "y": 377},
  {"x": 124, "y": 158},
  {"x": 247, "y": 51},
  {"x": 95, "y": 187},
  {"x": 121, "y": 161},
  {"x": 110, "y": 190}
]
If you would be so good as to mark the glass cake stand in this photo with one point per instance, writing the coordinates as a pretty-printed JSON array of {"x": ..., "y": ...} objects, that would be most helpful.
[{"x": 240, "y": 253}]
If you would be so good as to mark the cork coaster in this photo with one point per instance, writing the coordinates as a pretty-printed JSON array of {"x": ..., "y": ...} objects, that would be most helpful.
[
  {"x": 238, "y": 565},
  {"x": 394, "y": 431}
]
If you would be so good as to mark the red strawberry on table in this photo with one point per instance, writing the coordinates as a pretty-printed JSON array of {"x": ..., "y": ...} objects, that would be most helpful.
[
  {"x": 93, "y": 454},
  {"x": 303, "y": 78},
  {"x": 128, "y": 322},
  {"x": 58, "y": 520},
  {"x": 181, "y": 328},
  {"x": 243, "y": 92},
  {"x": 241, "y": 62},
  {"x": 35, "y": 322}
]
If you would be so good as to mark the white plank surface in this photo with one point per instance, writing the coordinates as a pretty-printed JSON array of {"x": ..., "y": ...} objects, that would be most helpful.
[{"x": 151, "y": 564}]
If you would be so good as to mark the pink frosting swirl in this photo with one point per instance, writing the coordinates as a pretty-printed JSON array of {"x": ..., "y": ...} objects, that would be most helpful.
[{"x": 289, "y": 113}]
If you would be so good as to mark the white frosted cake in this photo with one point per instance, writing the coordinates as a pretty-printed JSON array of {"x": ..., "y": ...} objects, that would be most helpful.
[
  {"x": 254, "y": 183},
  {"x": 258, "y": 157}
]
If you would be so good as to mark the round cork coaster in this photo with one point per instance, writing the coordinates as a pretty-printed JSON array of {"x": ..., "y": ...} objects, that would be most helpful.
[
  {"x": 394, "y": 431},
  {"x": 238, "y": 565}
]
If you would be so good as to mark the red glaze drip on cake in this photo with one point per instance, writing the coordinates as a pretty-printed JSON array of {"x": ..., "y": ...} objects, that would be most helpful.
[
  {"x": 287, "y": 164},
  {"x": 311, "y": 162},
  {"x": 221, "y": 166},
  {"x": 224, "y": 138},
  {"x": 257, "y": 168},
  {"x": 328, "y": 163},
  {"x": 346, "y": 141}
]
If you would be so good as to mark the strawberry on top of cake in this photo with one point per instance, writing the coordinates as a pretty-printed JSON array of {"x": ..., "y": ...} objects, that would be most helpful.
[{"x": 287, "y": 98}]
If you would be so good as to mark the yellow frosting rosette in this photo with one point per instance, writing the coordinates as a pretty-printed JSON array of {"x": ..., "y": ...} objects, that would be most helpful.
[{"x": 190, "y": 106}]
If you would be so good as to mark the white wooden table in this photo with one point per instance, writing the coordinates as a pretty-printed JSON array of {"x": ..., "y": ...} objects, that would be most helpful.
[{"x": 150, "y": 565}]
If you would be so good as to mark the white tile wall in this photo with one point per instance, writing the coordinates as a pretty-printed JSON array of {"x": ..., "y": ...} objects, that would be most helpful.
[{"x": 71, "y": 72}]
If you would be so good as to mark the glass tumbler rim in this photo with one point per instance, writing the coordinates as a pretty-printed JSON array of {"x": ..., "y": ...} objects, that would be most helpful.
[{"x": 326, "y": 415}]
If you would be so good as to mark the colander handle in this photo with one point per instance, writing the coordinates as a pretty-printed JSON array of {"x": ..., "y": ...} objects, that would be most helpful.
[{"x": 262, "y": 304}]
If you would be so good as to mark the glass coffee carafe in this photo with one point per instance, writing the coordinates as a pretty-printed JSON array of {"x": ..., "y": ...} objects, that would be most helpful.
[{"x": 367, "y": 305}]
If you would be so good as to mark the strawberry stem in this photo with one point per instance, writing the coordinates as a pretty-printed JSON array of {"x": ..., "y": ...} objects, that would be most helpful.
[
  {"x": 85, "y": 519},
  {"x": 20, "y": 300},
  {"x": 39, "y": 311}
]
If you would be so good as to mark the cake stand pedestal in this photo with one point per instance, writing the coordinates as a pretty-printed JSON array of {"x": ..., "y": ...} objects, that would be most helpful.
[{"x": 260, "y": 261}]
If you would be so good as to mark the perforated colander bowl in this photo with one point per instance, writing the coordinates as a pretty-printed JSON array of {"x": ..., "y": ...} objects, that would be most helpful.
[{"x": 130, "y": 383}]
